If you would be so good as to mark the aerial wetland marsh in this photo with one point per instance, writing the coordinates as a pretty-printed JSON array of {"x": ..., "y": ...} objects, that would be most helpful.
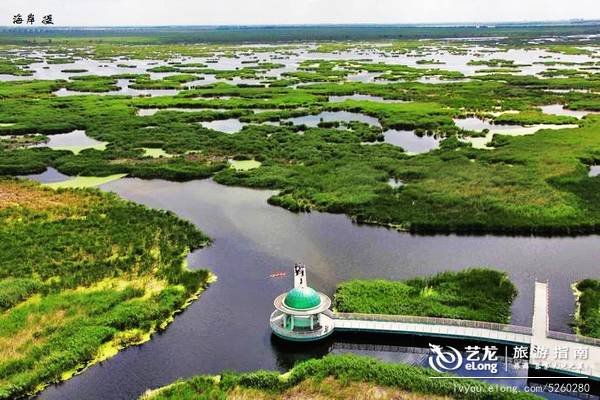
[{"x": 380, "y": 165}]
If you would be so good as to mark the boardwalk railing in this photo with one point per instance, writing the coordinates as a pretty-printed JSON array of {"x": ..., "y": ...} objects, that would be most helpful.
[
  {"x": 568, "y": 337},
  {"x": 277, "y": 326},
  {"x": 434, "y": 321},
  {"x": 380, "y": 347}
]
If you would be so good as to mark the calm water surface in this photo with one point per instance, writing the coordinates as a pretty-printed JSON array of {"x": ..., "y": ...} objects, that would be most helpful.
[
  {"x": 74, "y": 139},
  {"x": 227, "y": 328},
  {"x": 313, "y": 121},
  {"x": 231, "y": 125},
  {"x": 411, "y": 142},
  {"x": 360, "y": 97}
]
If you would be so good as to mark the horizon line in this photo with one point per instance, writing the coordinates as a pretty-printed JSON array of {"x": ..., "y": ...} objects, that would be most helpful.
[{"x": 449, "y": 24}]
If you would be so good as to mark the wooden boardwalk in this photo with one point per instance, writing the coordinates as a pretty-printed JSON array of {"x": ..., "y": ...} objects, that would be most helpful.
[
  {"x": 564, "y": 353},
  {"x": 447, "y": 328},
  {"x": 558, "y": 351}
]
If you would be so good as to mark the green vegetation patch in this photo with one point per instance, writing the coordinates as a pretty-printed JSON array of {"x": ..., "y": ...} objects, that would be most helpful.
[
  {"x": 244, "y": 165},
  {"x": 14, "y": 68},
  {"x": 83, "y": 274},
  {"x": 81, "y": 182},
  {"x": 155, "y": 153},
  {"x": 92, "y": 83},
  {"x": 74, "y": 70},
  {"x": 533, "y": 118},
  {"x": 474, "y": 294},
  {"x": 334, "y": 377},
  {"x": 587, "y": 317},
  {"x": 20, "y": 142}
]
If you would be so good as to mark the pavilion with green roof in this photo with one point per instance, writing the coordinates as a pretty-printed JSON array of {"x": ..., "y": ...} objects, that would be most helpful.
[{"x": 302, "y": 314}]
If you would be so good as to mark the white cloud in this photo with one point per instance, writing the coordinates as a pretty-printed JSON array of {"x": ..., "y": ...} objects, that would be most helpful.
[{"x": 203, "y": 12}]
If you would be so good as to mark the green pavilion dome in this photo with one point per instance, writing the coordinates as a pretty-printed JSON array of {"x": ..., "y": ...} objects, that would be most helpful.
[{"x": 302, "y": 299}]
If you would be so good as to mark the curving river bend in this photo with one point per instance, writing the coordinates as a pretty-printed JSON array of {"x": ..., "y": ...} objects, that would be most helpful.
[{"x": 227, "y": 328}]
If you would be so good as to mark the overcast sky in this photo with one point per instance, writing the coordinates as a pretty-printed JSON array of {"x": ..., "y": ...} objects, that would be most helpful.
[{"x": 220, "y": 12}]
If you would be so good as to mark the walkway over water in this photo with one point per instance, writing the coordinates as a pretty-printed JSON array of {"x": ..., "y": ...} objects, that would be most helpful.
[
  {"x": 581, "y": 351},
  {"x": 554, "y": 351},
  {"x": 447, "y": 328},
  {"x": 303, "y": 315}
]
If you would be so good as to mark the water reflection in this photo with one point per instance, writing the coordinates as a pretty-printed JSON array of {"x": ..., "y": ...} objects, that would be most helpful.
[
  {"x": 559, "y": 109},
  {"x": 231, "y": 125},
  {"x": 367, "y": 97},
  {"x": 148, "y": 112},
  {"x": 411, "y": 142},
  {"x": 313, "y": 121},
  {"x": 395, "y": 183},
  {"x": 74, "y": 141},
  {"x": 50, "y": 175}
]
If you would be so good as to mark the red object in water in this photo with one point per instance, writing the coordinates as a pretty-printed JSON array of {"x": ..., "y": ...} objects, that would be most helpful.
[{"x": 278, "y": 274}]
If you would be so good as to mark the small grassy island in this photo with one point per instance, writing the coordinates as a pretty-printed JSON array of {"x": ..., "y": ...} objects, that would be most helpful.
[
  {"x": 474, "y": 294},
  {"x": 333, "y": 377},
  {"x": 83, "y": 274},
  {"x": 587, "y": 317}
]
